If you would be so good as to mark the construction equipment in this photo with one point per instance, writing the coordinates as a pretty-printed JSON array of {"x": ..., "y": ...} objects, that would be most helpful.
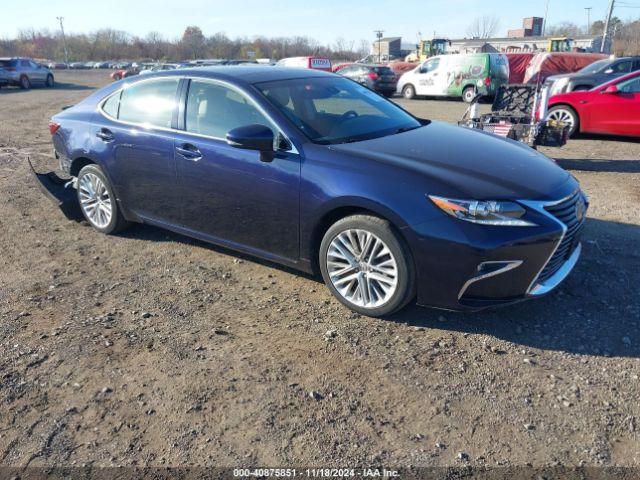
[
  {"x": 560, "y": 44},
  {"x": 429, "y": 48}
]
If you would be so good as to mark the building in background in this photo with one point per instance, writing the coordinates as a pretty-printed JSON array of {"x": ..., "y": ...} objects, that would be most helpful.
[{"x": 531, "y": 27}]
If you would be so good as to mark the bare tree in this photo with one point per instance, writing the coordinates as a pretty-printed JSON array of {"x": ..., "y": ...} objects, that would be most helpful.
[{"x": 483, "y": 27}]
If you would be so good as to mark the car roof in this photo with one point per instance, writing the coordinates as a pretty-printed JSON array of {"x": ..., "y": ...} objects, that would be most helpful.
[{"x": 247, "y": 74}]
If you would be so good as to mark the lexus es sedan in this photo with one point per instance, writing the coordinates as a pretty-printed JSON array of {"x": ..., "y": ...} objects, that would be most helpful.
[{"x": 314, "y": 171}]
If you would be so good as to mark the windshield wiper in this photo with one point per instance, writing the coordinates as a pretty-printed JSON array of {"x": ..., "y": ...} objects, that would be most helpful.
[{"x": 406, "y": 129}]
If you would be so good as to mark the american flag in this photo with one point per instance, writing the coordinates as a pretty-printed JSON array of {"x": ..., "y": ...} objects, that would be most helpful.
[{"x": 501, "y": 129}]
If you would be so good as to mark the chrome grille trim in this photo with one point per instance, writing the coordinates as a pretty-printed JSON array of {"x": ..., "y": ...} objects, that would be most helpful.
[{"x": 558, "y": 211}]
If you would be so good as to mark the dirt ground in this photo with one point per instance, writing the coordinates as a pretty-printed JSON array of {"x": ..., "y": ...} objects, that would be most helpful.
[{"x": 149, "y": 348}]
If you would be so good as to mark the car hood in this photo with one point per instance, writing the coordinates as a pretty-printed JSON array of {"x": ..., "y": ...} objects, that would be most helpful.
[{"x": 468, "y": 163}]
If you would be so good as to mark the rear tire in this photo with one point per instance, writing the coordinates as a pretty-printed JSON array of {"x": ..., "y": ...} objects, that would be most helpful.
[
  {"x": 98, "y": 202},
  {"x": 468, "y": 94},
  {"x": 565, "y": 113},
  {"x": 363, "y": 253},
  {"x": 25, "y": 84},
  {"x": 409, "y": 92}
]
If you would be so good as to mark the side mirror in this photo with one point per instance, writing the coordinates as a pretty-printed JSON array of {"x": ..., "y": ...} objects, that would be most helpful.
[
  {"x": 611, "y": 89},
  {"x": 253, "y": 137}
]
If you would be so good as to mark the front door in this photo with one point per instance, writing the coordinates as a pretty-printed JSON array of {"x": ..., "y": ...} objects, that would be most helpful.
[
  {"x": 616, "y": 113},
  {"x": 227, "y": 193},
  {"x": 430, "y": 78}
]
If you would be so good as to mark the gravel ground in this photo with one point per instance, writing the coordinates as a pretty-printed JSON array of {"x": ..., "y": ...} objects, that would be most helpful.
[{"x": 149, "y": 348}]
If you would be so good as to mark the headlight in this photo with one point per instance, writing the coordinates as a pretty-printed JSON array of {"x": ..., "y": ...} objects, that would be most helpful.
[{"x": 483, "y": 212}]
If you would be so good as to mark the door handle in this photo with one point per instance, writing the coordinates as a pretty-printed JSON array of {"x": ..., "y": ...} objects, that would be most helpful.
[
  {"x": 189, "y": 152},
  {"x": 105, "y": 135}
]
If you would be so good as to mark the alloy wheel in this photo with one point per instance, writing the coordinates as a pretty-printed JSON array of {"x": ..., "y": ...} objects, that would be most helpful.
[
  {"x": 562, "y": 115},
  {"x": 94, "y": 200},
  {"x": 362, "y": 268}
]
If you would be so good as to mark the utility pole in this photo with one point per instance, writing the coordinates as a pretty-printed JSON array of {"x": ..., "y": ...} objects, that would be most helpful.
[
  {"x": 588, "y": 9},
  {"x": 606, "y": 26},
  {"x": 544, "y": 21},
  {"x": 379, "y": 34},
  {"x": 64, "y": 41}
]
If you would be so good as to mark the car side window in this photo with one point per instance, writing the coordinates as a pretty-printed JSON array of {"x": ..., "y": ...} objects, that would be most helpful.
[
  {"x": 149, "y": 102},
  {"x": 431, "y": 65},
  {"x": 110, "y": 107},
  {"x": 214, "y": 109},
  {"x": 24, "y": 63},
  {"x": 630, "y": 86},
  {"x": 622, "y": 67}
]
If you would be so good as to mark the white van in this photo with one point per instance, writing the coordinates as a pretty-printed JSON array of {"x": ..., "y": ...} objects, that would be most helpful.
[
  {"x": 316, "y": 63},
  {"x": 458, "y": 75}
]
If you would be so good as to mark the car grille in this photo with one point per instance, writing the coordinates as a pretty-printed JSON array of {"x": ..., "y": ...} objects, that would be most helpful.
[{"x": 564, "y": 211}]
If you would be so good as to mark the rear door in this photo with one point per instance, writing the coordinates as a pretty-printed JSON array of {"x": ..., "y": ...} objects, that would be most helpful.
[
  {"x": 134, "y": 135},
  {"x": 617, "y": 113}
]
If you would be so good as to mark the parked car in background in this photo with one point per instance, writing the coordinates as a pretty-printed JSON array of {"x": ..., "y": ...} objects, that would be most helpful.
[
  {"x": 593, "y": 75},
  {"x": 378, "y": 78},
  {"x": 160, "y": 67},
  {"x": 314, "y": 171},
  {"x": 24, "y": 72},
  {"x": 314, "y": 63},
  {"x": 612, "y": 108},
  {"x": 57, "y": 66},
  {"x": 124, "y": 73},
  {"x": 5, "y": 78},
  {"x": 101, "y": 65},
  {"x": 77, "y": 65},
  {"x": 458, "y": 75}
]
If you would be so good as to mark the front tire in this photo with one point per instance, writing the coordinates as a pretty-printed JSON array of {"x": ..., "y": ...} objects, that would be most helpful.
[
  {"x": 564, "y": 113},
  {"x": 98, "y": 202},
  {"x": 367, "y": 266},
  {"x": 49, "y": 83},
  {"x": 409, "y": 92}
]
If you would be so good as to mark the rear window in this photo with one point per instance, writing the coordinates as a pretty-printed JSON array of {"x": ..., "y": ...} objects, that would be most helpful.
[
  {"x": 8, "y": 63},
  {"x": 383, "y": 71}
]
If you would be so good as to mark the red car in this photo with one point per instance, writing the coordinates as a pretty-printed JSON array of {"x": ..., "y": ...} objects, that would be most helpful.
[{"x": 612, "y": 108}]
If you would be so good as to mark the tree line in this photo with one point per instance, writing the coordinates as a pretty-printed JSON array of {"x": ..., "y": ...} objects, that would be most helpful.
[{"x": 111, "y": 44}]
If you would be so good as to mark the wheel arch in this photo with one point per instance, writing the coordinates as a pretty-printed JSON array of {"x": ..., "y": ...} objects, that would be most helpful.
[
  {"x": 79, "y": 163},
  {"x": 335, "y": 212},
  {"x": 573, "y": 109}
]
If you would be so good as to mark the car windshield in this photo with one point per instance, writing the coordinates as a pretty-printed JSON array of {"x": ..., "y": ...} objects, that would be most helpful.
[
  {"x": 333, "y": 110},
  {"x": 8, "y": 63},
  {"x": 594, "y": 67}
]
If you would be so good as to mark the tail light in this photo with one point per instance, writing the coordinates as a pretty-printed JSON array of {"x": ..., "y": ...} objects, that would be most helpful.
[
  {"x": 487, "y": 82},
  {"x": 53, "y": 127},
  {"x": 373, "y": 75}
]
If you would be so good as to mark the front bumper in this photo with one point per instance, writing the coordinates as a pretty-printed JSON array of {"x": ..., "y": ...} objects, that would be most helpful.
[{"x": 467, "y": 267}]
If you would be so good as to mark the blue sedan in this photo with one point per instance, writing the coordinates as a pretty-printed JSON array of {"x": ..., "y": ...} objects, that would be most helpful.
[{"x": 313, "y": 171}]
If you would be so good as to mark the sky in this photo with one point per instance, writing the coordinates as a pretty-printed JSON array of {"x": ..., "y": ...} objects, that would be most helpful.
[{"x": 324, "y": 21}]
